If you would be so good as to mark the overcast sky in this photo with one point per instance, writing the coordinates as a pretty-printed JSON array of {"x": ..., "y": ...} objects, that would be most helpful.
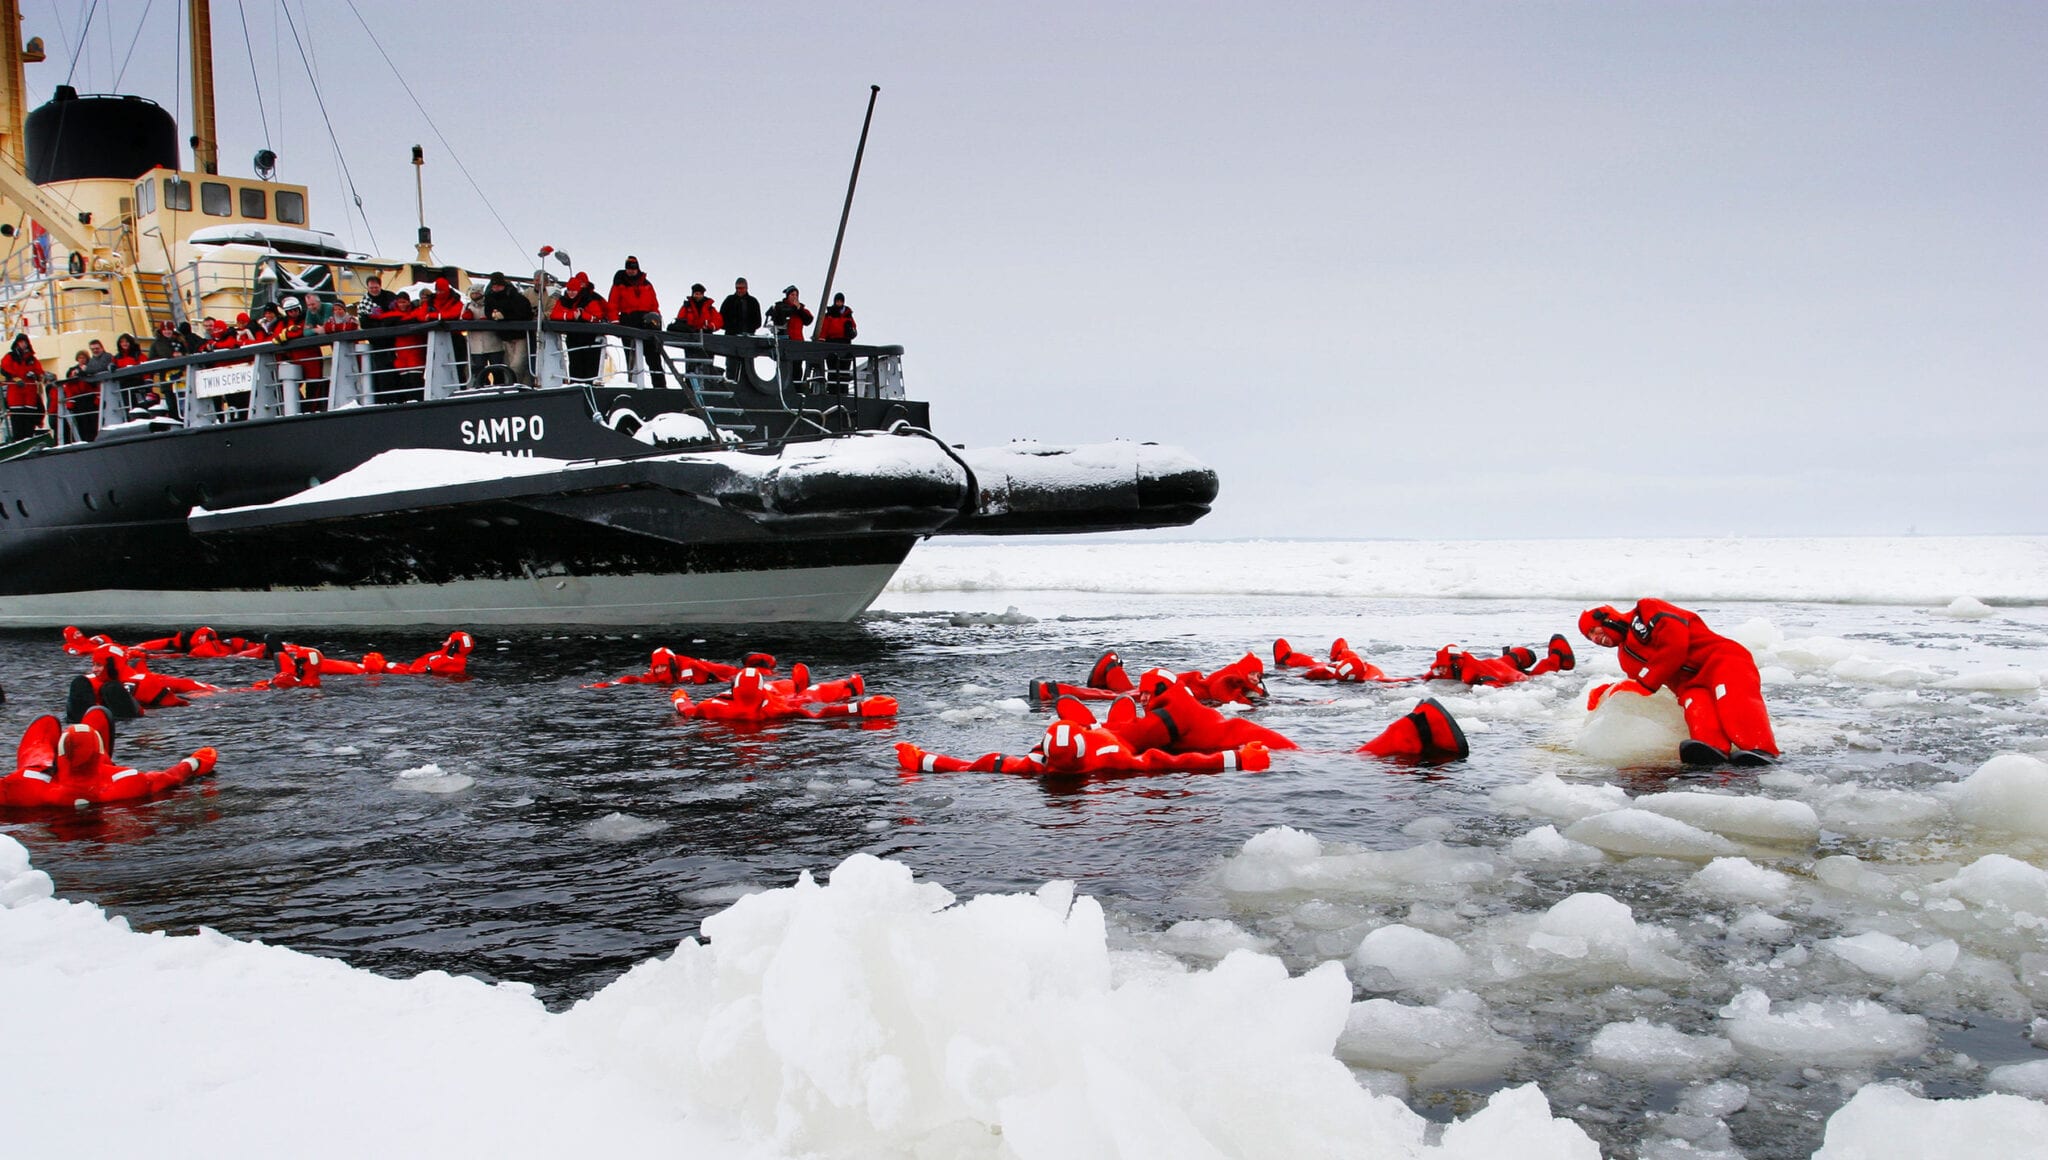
[{"x": 1417, "y": 270}]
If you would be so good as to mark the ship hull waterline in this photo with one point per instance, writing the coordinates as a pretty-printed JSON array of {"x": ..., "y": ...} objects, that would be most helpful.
[{"x": 832, "y": 593}]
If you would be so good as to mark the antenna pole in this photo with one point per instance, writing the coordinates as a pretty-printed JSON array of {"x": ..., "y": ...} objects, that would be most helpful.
[
  {"x": 424, "y": 252},
  {"x": 832, "y": 271},
  {"x": 205, "y": 148}
]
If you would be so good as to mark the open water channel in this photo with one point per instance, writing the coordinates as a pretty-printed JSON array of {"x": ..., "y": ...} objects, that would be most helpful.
[{"x": 571, "y": 832}]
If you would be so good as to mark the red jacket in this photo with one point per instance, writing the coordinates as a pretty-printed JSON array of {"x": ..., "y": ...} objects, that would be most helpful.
[
  {"x": 408, "y": 351},
  {"x": 632, "y": 294},
  {"x": 698, "y": 314},
  {"x": 836, "y": 325},
  {"x": 580, "y": 302},
  {"x": 307, "y": 359},
  {"x": 22, "y": 375}
]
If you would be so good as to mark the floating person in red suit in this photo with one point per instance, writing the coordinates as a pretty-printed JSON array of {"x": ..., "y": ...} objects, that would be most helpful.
[
  {"x": 1075, "y": 746},
  {"x": 1168, "y": 716},
  {"x": 1660, "y": 644},
  {"x": 665, "y": 666},
  {"x": 751, "y": 699},
  {"x": 78, "y": 644},
  {"x": 450, "y": 660},
  {"x": 1347, "y": 667},
  {"x": 1515, "y": 664},
  {"x": 297, "y": 668},
  {"x": 1239, "y": 681},
  {"x": 1285, "y": 657},
  {"x": 202, "y": 642},
  {"x": 70, "y": 765},
  {"x": 122, "y": 681},
  {"x": 1427, "y": 735}
]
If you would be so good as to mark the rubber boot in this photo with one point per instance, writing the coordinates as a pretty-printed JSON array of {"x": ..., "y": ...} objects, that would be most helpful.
[
  {"x": 1692, "y": 752},
  {"x": 1561, "y": 651},
  {"x": 1521, "y": 656},
  {"x": 1109, "y": 673},
  {"x": 1749, "y": 758},
  {"x": 78, "y": 699}
]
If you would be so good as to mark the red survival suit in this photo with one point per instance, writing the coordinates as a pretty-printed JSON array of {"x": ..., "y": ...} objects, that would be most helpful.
[
  {"x": 665, "y": 666},
  {"x": 1238, "y": 681},
  {"x": 1345, "y": 666},
  {"x": 752, "y": 699},
  {"x": 1515, "y": 663},
  {"x": 151, "y": 690},
  {"x": 450, "y": 660},
  {"x": 1173, "y": 719},
  {"x": 64, "y": 765},
  {"x": 1428, "y": 735},
  {"x": 1074, "y": 745},
  {"x": 1714, "y": 678},
  {"x": 203, "y": 642}
]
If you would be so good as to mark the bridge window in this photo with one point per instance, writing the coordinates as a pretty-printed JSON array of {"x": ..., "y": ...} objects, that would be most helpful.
[
  {"x": 216, "y": 199},
  {"x": 177, "y": 193},
  {"x": 291, "y": 207},
  {"x": 254, "y": 205},
  {"x": 145, "y": 198}
]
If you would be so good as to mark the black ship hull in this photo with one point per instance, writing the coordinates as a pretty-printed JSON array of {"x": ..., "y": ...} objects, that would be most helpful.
[{"x": 104, "y": 532}]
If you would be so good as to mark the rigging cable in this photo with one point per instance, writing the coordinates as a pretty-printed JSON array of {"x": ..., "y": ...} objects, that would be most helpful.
[
  {"x": 254, "y": 80},
  {"x": 313, "y": 56},
  {"x": 132, "y": 42},
  {"x": 321, "y": 101},
  {"x": 82, "y": 41},
  {"x": 57, "y": 14},
  {"x": 452, "y": 155}
]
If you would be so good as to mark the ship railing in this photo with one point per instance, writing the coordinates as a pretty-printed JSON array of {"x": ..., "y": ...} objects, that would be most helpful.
[
  {"x": 726, "y": 380},
  {"x": 58, "y": 301}
]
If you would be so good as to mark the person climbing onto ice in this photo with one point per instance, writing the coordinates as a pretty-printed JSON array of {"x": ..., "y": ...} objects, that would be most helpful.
[
  {"x": 71, "y": 765},
  {"x": 1715, "y": 679}
]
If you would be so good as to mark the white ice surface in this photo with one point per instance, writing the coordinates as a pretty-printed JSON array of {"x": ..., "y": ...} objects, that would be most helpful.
[
  {"x": 872, "y": 1016},
  {"x": 1887, "y": 1123},
  {"x": 1923, "y": 570}
]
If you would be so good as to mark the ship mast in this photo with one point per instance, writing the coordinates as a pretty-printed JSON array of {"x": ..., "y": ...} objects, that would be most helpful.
[
  {"x": 205, "y": 149},
  {"x": 14, "y": 84}
]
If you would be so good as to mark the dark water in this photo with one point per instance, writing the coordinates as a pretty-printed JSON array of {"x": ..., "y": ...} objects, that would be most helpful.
[{"x": 304, "y": 839}]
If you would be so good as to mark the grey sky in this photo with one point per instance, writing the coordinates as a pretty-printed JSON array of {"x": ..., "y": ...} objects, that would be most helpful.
[{"x": 1394, "y": 269}]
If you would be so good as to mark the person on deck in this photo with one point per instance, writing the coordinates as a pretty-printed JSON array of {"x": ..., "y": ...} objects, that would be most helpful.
[
  {"x": 23, "y": 373},
  {"x": 1715, "y": 679},
  {"x": 376, "y": 302},
  {"x": 837, "y": 325},
  {"x": 77, "y": 405},
  {"x": 503, "y": 303},
  {"x": 697, "y": 315},
  {"x": 634, "y": 303},
  {"x": 407, "y": 383},
  {"x": 580, "y": 302},
  {"x": 741, "y": 313},
  {"x": 300, "y": 370}
]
